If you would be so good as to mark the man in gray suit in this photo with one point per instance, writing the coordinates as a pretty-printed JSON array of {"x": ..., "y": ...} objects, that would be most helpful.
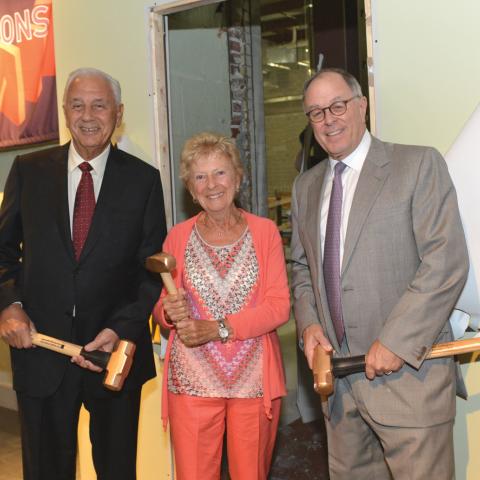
[{"x": 379, "y": 260}]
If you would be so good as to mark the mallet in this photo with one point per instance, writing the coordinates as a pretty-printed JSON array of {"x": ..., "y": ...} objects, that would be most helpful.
[
  {"x": 163, "y": 263},
  {"x": 117, "y": 363},
  {"x": 326, "y": 368}
]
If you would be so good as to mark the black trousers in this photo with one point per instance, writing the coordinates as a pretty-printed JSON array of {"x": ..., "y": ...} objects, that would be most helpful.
[{"x": 49, "y": 431}]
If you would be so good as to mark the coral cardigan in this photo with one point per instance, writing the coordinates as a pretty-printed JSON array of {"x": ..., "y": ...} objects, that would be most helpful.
[{"x": 272, "y": 307}]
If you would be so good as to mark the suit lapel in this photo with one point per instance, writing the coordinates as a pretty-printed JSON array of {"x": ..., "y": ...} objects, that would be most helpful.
[
  {"x": 60, "y": 192},
  {"x": 109, "y": 191},
  {"x": 372, "y": 178},
  {"x": 314, "y": 204}
]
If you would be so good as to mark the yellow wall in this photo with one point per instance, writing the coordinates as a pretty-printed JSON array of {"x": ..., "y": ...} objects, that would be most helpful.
[
  {"x": 154, "y": 453},
  {"x": 426, "y": 68},
  {"x": 7, "y": 397}
]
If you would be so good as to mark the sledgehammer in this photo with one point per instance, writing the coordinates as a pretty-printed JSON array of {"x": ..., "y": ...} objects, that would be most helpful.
[
  {"x": 116, "y": 363},
  {"x": 163, "y": 263},
  {"x": 326, "y": 368}
]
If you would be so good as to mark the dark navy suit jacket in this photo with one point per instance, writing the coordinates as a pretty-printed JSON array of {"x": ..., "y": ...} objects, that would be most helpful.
[{"x": 108, "y": 285}]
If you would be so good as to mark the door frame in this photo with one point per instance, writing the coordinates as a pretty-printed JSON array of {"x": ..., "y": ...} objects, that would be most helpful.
[{"x": 160, "y": 93}]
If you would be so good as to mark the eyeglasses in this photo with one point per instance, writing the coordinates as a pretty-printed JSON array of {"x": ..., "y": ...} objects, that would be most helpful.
[{"x": 337, "y": 108}]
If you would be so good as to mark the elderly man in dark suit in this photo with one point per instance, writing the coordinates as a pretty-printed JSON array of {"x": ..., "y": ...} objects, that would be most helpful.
[
  {"x": 379, "y": 260},
  {"x": 76, "y": 225}
]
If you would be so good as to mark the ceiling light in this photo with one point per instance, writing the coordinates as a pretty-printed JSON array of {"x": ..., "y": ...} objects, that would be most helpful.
[{"x": 277, "y": 65}]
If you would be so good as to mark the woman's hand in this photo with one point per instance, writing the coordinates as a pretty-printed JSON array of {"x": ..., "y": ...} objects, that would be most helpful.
[
  {"x": 175, "y": 307},
  {"x": 197, "y": 332}
]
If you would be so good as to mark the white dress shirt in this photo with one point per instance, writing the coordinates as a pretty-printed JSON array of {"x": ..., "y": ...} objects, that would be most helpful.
[
  {"x": 75, "y": 174},
  {"x": 350, "y": 176}
]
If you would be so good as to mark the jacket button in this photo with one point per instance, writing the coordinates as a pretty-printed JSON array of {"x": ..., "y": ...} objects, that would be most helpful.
[{"x": 422, "y": 353}]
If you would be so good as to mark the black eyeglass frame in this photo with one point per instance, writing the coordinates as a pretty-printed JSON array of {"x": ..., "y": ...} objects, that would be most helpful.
[{"x": 329, "y": 108}]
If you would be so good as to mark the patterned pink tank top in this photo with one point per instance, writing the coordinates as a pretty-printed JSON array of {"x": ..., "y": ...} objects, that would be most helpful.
[{"x": 218, "y": 281}]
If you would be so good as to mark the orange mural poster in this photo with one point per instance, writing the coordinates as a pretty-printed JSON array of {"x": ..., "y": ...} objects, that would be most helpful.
[{"x": 28, "y": 99}]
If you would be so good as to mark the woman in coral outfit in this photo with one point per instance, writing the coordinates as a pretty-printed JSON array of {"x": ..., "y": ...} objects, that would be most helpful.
[{"x": 223, "y": 367}]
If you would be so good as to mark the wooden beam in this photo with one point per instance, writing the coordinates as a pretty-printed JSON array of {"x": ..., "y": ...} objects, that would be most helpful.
[
  {"x": 180, "y": 5},
  {"x": 281, "y": 6},
  {"x": 284, "y": 37},
  {"x": 282, "y": 23}
]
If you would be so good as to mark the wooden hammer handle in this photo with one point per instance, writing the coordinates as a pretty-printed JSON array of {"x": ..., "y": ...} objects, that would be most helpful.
[
  {"x": 56, "y": 345},
  {"x": 97, "y": 357},
  {"x": 168, "y": 283},
  {"x": 454, "y": 348}
]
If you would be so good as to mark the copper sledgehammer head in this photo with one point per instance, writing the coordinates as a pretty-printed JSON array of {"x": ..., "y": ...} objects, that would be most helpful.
[
  {"x": 119, "y": 365},
  {"x": 163, "y": 263},
  {"x": 322, "y": 371}
]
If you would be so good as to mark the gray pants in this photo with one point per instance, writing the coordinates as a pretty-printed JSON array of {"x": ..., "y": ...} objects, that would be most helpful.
[{"x": 360, "y": 448}]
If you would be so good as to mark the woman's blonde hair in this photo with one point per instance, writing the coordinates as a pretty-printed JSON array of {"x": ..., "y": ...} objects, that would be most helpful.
[{"x": 204, "y": 144}]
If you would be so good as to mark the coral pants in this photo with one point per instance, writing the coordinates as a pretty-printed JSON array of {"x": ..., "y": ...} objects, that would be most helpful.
[{"x": 198, "y": 425}]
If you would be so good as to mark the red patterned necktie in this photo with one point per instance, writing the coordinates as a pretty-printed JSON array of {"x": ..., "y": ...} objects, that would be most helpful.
[{"x": 83, "y": 210}]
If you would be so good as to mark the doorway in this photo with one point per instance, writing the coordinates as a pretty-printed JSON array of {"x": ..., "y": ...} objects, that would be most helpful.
[{"x": 238, "y": 67}]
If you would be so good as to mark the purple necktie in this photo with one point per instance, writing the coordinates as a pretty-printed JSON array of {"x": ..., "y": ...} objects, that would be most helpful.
[
  {"x": 331, "y": 253},
  {"x": 83, "y": 209}
]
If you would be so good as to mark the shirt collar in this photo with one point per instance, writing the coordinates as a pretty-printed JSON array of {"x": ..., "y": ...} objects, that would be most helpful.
[
  {"x": 98, "y": 163},
  {"x": 357, "y": 157}
]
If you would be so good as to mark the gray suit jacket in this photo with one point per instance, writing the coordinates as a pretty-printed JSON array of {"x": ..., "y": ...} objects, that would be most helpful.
[{"x": 405, "y": 263}]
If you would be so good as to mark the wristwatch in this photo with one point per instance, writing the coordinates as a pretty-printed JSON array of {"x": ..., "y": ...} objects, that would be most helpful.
[{"x": 223, "y": 332}]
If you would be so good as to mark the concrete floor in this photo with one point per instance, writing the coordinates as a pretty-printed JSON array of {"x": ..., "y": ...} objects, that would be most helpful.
[{"x": 300, "y": 451}]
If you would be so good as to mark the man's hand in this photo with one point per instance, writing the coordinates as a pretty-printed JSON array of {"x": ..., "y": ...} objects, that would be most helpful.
[
  {"x": 104, "y": 341},
  {"x": 312, "y": 336},
  {"x": 16, "y": 328},
  {"x": 381, "y": 361}
]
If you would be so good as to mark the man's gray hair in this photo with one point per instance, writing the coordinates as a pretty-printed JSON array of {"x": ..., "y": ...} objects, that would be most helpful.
[
  {"x": 94, "y": 72},
  {"x": 350, "y": 80}
]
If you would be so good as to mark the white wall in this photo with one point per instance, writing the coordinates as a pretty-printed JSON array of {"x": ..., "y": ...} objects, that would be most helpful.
[
  {"x": 426, "y": 68},
  {"x": 427, "y": 84}
]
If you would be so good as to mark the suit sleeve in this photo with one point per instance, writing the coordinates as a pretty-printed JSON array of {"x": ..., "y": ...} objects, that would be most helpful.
[
  {"x": 304, "y": 305},
  {"x": 10, "y": 239},
  {"x": 130, "y": 320},
  {"x": 274, "y": 308},
  {"x": 423, "y": 310}
]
